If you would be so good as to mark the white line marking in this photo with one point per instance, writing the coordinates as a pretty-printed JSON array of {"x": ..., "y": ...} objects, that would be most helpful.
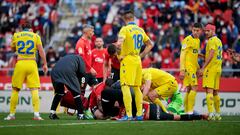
[
  {"x": 57, "y": 124},
  {"x": 107, "y": 122}
]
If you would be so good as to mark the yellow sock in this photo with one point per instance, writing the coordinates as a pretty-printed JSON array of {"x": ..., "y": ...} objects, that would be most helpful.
[
  {"x": 13, "y": 101},
  {"x": 186, "y": 102},
  {"x": 158, "y": 102},
  {"x": 191, "y": 101},
  {"x": 138, "y": 100},
  {"x": 127, "y": 99},
  {"x": 216, "y": 99},
  {"x": 210, "y": 102},
  {"x": 35, "y": 100}
]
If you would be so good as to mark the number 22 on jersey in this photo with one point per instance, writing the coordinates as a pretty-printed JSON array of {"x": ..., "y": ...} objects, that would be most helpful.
[{"x": 29, "y": 45}]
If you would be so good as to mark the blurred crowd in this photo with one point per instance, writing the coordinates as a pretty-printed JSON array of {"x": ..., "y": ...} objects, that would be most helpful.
[
  {"x": 13, "y": 13},
  {"x": 166, "y": 22}
]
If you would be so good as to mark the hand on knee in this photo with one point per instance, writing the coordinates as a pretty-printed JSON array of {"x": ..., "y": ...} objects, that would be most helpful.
[{"x": 152, "y": 95}]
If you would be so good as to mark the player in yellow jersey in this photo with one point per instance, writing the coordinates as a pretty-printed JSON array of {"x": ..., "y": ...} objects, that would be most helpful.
[
  {"x": 189, "y": 66},
  {"x": 211, "y": 70},
  {"x": 130, "y": 39},
  {"x": 158, "y": 84},
  {"x": 25, "y": 44}
]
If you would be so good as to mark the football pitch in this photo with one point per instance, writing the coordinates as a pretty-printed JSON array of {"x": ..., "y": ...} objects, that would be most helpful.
[{"x": 68, "y": 125}]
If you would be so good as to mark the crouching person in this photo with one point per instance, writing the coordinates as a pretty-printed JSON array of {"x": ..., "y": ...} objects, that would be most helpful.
[{"x": 68, "y": 72}]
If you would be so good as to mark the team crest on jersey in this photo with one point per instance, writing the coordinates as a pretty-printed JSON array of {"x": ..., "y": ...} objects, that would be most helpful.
[
  {"x": 193, "y": 76},
  {"x": 184, "y": 46},
  {"x": 99, "y": 60},
  {"x": 80, "y": 51},
  {"x": 195, "y": 51}
]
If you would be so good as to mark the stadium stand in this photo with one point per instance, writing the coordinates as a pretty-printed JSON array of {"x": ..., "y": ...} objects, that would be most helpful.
[{"x": 166, "y": 22}]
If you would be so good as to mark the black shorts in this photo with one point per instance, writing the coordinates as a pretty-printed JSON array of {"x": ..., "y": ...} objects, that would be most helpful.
[
  {"x": 115, "y": 74},
  {"x": 59, "y": 88},
  {"x": 108, "y": 98},
  {"x": 99, "y": 80},
  {"x": 156, "y": 113},
  {"x": 88, "y": 79}
]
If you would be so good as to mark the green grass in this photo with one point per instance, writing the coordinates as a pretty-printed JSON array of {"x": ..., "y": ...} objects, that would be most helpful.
[{"x": 68, "y": 125}]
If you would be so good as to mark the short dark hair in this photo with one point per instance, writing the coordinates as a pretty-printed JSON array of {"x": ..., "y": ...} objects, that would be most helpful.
[
  {"x": 198, "y": 25},
  {"x": 129, "y": 14},
  {"x": 26, "y": 25},
  {"x": 112, "y": 49}
]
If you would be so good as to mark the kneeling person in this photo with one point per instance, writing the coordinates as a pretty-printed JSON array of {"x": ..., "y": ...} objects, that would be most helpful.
[
  {"x": 158, "y": 84},
  {"x": 68, "y": 72}
]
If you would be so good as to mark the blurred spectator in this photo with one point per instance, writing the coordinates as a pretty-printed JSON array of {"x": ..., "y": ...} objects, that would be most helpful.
[
  {"x": 146, "y": 61},
  {"x": 227, "y": 66},
  {"x": 167, "y": 22},
  {"x": 51, "y": 57},
  {"x": 166, "y": 56},
  {"x": 13, "y": 13},
  {"x": 232, "y": 33},
  {"x": 2, "y": 62},
  {"x": 2, "y": 65}
]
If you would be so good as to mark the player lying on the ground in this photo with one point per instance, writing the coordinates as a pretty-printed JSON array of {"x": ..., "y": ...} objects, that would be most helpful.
[
  {"x": 106, "y": 102},
  {"x": 93, "y": 102},
  {"x": 175, "y": 103},
  {"x": 112, "y": 105}
]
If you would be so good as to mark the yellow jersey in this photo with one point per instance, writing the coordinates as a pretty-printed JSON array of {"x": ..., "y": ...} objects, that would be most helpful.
[
  {"x": 214, "y": 43},
  {"x": 156, "y": 76},
  {"x": 26, "y": 44},
  {"x": 134, "y": 38},
  {"x": 190, "y": 48}
]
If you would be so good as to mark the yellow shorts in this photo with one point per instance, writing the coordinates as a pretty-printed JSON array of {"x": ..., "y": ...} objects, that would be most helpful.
[
  {"x": 211, "y": 79},
  {"x": 168, "y": 89},
  {"x": 131, "y": 71},
  {"x": 26, "y": 70},
  {"x": 190, "y": 78}
]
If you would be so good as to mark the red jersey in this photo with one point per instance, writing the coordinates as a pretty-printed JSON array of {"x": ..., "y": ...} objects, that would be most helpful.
[
  {"x": 98, "y": 57},
  {"x": 95, "y": 94},
  {"x": 114, "y": 61},
  {"x": 68, "y": 101},
  {"x": 146, "y": 111},
  {"x": 83, "y": 48}
]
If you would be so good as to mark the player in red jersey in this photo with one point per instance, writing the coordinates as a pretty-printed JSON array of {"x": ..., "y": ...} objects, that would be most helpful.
[
  {"x": 111, "y": 63},
  {"x": 83, "y": 48},
  {"x": 98, "y": 56}
]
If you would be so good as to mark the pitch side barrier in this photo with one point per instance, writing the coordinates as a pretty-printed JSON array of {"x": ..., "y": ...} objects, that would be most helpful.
[{"x": 229, "y": 93}]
